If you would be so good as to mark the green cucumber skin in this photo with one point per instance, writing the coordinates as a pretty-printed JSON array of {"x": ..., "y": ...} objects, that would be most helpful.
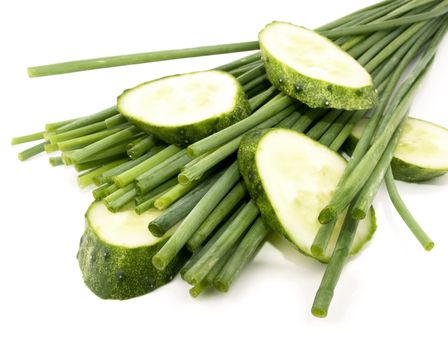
[
  {"x": 187, "y": 134},
  {"x": 113, "y": 272},
  {"x": 401, "y": 170},
  {"x": 249, "y": 172},
  {"x": 313, "y": 92}
]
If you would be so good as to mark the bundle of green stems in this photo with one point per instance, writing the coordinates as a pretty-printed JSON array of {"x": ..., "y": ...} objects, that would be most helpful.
[{"x": 200, "y": 186}]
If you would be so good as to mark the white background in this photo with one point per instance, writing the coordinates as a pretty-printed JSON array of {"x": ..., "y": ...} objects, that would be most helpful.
[{"x": 393, "y": 295}]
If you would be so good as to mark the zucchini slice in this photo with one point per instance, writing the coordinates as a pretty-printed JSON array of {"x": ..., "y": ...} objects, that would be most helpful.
[
  {"x": 291, "y": 178},
  {"x": 182, "y": 109},
  {"x": 314, "y": 70},
  {"x": 421, "y": 153},
  {"x": 115, "y": 253}
]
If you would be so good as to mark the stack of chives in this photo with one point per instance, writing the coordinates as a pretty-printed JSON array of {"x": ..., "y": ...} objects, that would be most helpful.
[{"x": 223, "y": 226}]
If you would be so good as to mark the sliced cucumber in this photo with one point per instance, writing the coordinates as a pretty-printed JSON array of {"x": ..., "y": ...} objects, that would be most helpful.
[
  {"x": 314, "y": 70},
  {"x": 421, "y": 153},
  {"x": 291, "y": 178},
  {"x": 116, "y": 250},
  {"x": 183, "y": 109}
]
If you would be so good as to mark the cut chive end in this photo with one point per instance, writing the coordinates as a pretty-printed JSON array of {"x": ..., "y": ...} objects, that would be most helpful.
[
  {"x": 327, "y": 215},
  {"x": 358, "y": 214}
]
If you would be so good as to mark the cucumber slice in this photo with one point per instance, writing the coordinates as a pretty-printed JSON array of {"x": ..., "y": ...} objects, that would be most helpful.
[
  {"x": 421, "y": 153},
  {"x": 291, "y": 178},
  {"x": 182, "y": 109},
  {"x": 115, "y": 253},
  {"x": 314, "y": 70}
]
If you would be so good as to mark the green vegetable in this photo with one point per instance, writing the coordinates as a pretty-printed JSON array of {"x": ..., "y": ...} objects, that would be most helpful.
[
  {"x": 291, "y": 177},
  {"x": 311, "y": 68},
  {"x": 115, "y": 254},
  {"x": 182, "y": 109},
  {"x": 421, "y": 153}
]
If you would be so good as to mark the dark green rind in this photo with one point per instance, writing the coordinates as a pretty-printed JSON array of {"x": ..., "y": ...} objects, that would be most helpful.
[
  {"x": 113, "y": 272},
  {"x": 401, "y": 170},
  {"x": 314, "y": 92},
  {"x": 185, "y": 135},
  {"x": 249, "y": 171}
]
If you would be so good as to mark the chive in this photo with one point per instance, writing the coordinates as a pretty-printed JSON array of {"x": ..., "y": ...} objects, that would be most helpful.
[
  {"x": 86, "y": 178},
  {"x": 207, "y": 282},
  {"x": 196, "y": 216},
  {"x": 322, "y": 126},
  {"x": 130, "y": 175},
  {"x": 383, "y": 25},
  {"x": 104, "y": 190},
  {"x": 56, "y": 125},
  {"x": 79, "y": 155},
  {"x": 258, "y": 89},
  {"x": 51, "y": 147},
  {"x": 87, "y": 120},
  {"x": 27, "y": 138},
  {"x": 218, "y": 233},
  {"x": 181, "y": 208},
  {"x": 219, "y": 213},
  {"x": 118, "y": 149},
  {"x": 32, "y": 151},
  {"x": 252, "y": 74},
  {"x": 141, "y": 147},
  {"x": 375, "y": 8},
  {"x": 124, "y": 196},
  {"x": 378, "y": 45},
  {"x": 235, "y": 230},
  {"x": 173, "y": 194},
  {"x": 243, "y": 254},
  {"x": 237, "y": 72},
  {"x": 240, "y": 62},
  {"x": 405, "y": 214},
  {"x": 156, "y": 191},
  {"x": 75, "y": 133},
  {"x": 261, "y": 98},
  {"x": 55, "y": 161},
  {"x": 365, "y": 197},
  {"x": 144, "y": 205},
  {"x": 197, "y": 170},
  {"x": 253, "y": 83},
  {"x": 99, "y": 192},
  {"x": 162, "y": 172},
  {"x": 333, "y": 270},
  {"x": 83, "y": 141},
  {"x": 115, "y": 120},
  {"x": 108, "y": 175},
  {"x": 95, "y": 163},
  {"x": 307, "y": 118},
  {"x": 335, "y": 137},
  {"x": 221, "y": 137},
  {"x": 146, "y": 57}
]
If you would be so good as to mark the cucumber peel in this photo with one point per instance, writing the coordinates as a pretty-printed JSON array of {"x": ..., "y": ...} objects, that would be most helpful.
[
  {"x": 115, "y": 253},
  {"x": 182, "y": 109},
  {"x": 421, "y": 153},
  {"x": 291, "y": 178},
  {"x": 311, "y": 68}
]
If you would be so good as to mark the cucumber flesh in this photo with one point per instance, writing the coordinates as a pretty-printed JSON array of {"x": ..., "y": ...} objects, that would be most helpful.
[
  {"x": 116, "y": 250},
  {"x": 311, "y": 68},
  {"x": 182, "y": 109},
  {"x": 291, "y": 178},
  {"x": 421, "y": 153}
]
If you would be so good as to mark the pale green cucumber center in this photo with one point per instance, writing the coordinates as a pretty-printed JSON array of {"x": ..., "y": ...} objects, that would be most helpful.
[
  {"x": 313, "y": 55},
  {"x": 299, "y": 176},
  {"x": 181, "y": 100},
  {"x": 421, "y": 143},
  {"x": 124, "y": 228}
]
